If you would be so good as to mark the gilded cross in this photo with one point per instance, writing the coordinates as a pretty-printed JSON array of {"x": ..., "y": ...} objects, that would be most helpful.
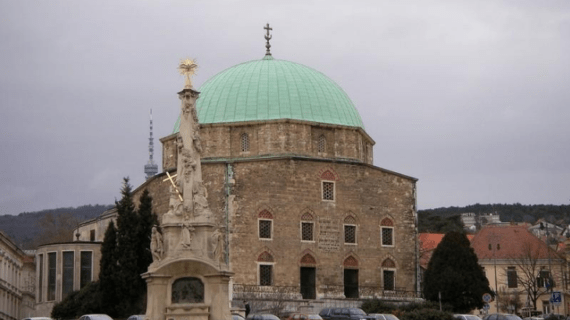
[
  {"x": 173, "y": 184},
  {"x": 267, "y": 37}
]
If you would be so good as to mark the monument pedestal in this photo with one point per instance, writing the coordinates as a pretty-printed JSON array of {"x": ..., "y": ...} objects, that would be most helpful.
[{"x": 186, "y": 289}]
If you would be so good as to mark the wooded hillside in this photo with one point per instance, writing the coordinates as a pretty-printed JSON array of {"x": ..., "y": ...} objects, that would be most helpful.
[
  {"x": 442, "y": 220},
  {"x": 25, "y": 227}
]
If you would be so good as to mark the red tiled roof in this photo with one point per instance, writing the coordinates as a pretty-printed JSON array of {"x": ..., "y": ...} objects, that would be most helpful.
[
  {"x": 428, "y": 243},
  {"x": 512, "y": 241}
]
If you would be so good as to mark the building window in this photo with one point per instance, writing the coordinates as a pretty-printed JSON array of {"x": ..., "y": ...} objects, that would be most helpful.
[
  {"x": 86, "y": 268},
  {"x": 389, "y": 281},
  {"x": 328, "y": 190},
  {"x": 265, "y": 275},
  {"x": 67, "y": 274},
  {"x": 322, "y": 144},
  {"x": 188, "y": 290},
  {"x": 349, "y": 234},
  {"x": 387, "y": 236},
  {"x": 544, "y": 279},
  {"x": 41, "y": 279},
  {"x": 92, "y": 235},
  {"x": 51, "y": 275},
  {"x": 512, "y": 277},
  {"x": 265, "y": 229},
  {"x": 265, "y": 224},
  {"x": 307, "y": 231},
  {"x": 244, "y": 142}
]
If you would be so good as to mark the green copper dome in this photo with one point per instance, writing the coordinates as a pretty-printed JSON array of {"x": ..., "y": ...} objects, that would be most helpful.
[{"x": 271, "y": 89}]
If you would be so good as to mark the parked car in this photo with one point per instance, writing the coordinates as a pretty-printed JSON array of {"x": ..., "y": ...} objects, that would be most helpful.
[
  {"x": 304, "y": 316},
  {"x": 501, "y": 316},
  {"x": 326, "y": 313},
  {"x": 553, "y": 316},
  {"x": 533, "y": 318},
  {"x": 466, "y": 317},
  {"x": 136, "y": 317},
  {"x": 345, "y": 314},
  {"x": 95, "y": 317},
  {"x": 237, "y": 317},
  {"x": 262, "y": 316},
  {"x": 38, "y": 318},
  {"x": 384, "y": 316}
]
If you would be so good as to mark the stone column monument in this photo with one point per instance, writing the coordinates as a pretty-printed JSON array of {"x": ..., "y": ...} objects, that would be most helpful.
[{"x": 189, "y": 277}]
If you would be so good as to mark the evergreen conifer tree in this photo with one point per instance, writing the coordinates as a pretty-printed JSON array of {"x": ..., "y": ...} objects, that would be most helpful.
[
  {"x": 109, "y": 270},
  {"x": 147, "y": 219},
  {"x": 128, "y": 279},
  {"x": 455, "y": 272}
]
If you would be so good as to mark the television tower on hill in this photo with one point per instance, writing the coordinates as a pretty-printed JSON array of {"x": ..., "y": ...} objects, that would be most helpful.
[{"x": 151, "y": 168}]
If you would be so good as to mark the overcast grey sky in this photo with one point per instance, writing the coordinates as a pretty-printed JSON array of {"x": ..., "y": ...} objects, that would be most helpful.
[{"x": 470, "y": 97}]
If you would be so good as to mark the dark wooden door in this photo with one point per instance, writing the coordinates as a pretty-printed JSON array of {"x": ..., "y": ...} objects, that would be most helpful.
[{"x": 308, "y": 281}]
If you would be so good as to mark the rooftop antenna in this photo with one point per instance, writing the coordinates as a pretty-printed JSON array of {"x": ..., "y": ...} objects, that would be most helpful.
[{"x": 151, "y": 168}]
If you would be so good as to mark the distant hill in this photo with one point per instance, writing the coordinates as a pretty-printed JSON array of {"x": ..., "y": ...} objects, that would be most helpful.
[
  {"x": 440, "y": 219},
  {"x": 23, "y": 228}
]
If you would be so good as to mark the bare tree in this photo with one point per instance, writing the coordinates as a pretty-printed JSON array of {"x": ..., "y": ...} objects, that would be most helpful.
[
  {"x": 533, "y": 269},
  {"x": 510, "y": 299}
]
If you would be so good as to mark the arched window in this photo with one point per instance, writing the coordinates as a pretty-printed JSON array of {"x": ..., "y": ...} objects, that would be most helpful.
[
  {"x": 307, "y": 227},
  {"x": 328, "y": 179},
  {"x": 265, "y": 269},
  {"x": 244, "y": 142},
  {"x": 188, "y": 290},
  {"x": 322, "y": 144},
  {"x": 389, "y": 274},
  {"x": 265, "y": 221}
]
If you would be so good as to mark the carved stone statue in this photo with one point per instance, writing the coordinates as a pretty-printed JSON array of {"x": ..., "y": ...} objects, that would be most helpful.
[
  {"x": 218, "y": 240},
  {"x": 156, "y": 246},
  {"x": 186, "y": 235}
]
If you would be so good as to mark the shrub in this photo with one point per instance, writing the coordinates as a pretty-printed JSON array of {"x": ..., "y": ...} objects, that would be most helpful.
[{"x": 378, "y": 306}]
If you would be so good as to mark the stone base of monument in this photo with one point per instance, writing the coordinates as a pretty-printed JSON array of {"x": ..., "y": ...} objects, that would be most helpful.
[
  {"x": 188, "y": 289},
  {"x": 191, "y": 282}
]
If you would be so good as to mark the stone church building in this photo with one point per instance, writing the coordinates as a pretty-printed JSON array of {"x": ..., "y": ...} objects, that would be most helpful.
[{"x": 288, "y": 168}]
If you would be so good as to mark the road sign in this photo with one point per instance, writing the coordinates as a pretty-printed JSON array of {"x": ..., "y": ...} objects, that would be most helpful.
[
  {"x": 556, "y": 298},
  {"x": 486, "y": 306},
  {"x": 487, "y": 297}
]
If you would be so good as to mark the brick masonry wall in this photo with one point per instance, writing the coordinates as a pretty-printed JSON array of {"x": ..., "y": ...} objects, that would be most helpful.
[
  {"x": 276, "y": 138},
  {"x": 290, "y": 187}
]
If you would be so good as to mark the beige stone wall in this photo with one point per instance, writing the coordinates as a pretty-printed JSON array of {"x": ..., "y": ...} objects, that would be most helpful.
[
  {"x": 11, "y": 265},
  {"x": 98, "y": 225},
  {"x": 43, "y": 305},
  {"x": 289, "y": 187}
]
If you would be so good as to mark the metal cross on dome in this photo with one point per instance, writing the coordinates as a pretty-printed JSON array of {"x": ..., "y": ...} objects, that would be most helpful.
[{"x": 267, "y": 38}]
